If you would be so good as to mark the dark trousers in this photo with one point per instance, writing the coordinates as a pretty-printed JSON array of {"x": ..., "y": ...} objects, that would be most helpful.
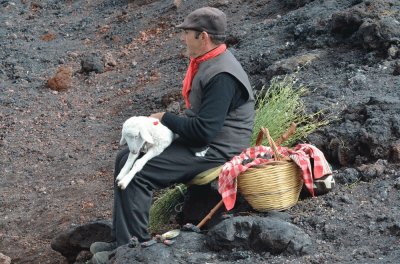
[{"x": 177, "y": 164}]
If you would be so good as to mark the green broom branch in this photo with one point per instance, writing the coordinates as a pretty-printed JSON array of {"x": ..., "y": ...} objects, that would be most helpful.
[{"x": 164, "y": 207}]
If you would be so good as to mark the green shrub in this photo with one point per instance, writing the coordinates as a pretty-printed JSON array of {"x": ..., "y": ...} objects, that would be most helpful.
[{"x": 280, "y": 105}]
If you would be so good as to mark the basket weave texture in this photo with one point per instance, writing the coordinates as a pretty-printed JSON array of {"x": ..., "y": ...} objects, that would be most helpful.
[{"x": 273, "y": 186}]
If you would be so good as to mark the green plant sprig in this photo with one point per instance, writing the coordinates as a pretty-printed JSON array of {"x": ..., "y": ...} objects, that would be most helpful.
[{"x": 279, "y": 105}]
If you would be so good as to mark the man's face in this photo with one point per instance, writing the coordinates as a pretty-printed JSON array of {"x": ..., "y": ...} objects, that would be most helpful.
[{"x": 194, "y": 46}]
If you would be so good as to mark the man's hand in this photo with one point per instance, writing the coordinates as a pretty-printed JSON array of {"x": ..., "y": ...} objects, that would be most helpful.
[{"x": 159, "y": 115}]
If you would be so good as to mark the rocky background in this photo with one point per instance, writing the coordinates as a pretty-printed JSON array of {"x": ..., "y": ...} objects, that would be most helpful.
[{"x": 72, "y": 71}]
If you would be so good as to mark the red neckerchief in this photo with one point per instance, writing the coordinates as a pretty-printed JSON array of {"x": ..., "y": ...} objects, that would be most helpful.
[{"x": 194, "y": 67}]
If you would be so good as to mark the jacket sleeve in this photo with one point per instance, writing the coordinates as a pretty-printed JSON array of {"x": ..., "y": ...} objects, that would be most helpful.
[{"x": 220, "y": 95}]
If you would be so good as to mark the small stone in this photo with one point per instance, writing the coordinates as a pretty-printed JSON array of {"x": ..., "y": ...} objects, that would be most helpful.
[
  {"x": 396, "y": 71},
  {"x": 393, "y": 51},
  {"x": 71, "y": 242},
  {"x": 4, "y": 259},
  {"x": 346, "y": 199},
  {"x": 109, "y": 60},
  {"x": 358, "y": 79},
  {"x": 80, "y": 181},
  {"x": 174, "y": 107},
  {"x": 61, "y": 80},
  {"x": 73, "y": 54},
  {"x": 397, "y": 183},
  {"x": 177, "y": 3},
  {"x": 92, "y": 63}
]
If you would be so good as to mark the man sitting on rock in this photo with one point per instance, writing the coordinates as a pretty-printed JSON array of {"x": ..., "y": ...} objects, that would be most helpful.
[{"x": 217, "y": 125}]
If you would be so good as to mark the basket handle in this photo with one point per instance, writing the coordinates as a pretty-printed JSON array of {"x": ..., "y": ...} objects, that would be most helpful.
[
  {"x": 289, "y": 132},
  {"x": 265, "y": 132}
]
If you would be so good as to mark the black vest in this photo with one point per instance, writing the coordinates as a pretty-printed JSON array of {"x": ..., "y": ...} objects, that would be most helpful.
[{"x": 237, "y": 129}]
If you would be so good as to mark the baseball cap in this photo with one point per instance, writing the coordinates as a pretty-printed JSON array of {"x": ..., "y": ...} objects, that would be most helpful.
[{"x": 208, "y": 19}]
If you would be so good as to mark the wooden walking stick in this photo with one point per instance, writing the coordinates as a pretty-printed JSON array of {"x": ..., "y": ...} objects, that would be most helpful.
[
  {"x": 210, "y": 214},
  {"x": 290, "y": 131}
]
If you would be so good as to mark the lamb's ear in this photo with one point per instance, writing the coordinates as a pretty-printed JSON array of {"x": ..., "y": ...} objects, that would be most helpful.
[
  {"x": 122, "y": 141},
  {"x": 144, "y": 133}
]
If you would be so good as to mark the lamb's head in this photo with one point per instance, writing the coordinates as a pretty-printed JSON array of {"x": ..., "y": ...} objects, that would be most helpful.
[{"x": 135, "y": 133}]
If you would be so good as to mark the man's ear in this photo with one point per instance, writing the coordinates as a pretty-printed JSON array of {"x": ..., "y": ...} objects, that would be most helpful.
[
  {"x": 122, "y": 141},
  {"x": 144, "y": 133}
]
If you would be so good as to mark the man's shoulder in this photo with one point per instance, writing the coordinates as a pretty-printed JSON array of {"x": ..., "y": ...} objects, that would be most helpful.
[{"x": 225, "y": 62}]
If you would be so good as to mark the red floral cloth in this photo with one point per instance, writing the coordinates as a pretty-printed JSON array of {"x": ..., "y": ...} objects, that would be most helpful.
[{"x": 301, "y": 155}]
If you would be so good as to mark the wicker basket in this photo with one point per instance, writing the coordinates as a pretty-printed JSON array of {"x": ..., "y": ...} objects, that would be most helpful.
[{"x": 275, "y": 185}]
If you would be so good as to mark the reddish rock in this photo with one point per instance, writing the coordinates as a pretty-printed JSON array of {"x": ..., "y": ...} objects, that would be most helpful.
[
  {"x": 61, "y": 80},
  {"x": 48, "y": 37}
]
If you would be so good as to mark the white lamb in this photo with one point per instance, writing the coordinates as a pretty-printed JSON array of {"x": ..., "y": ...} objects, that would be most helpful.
[{"x": 142, "y": 134}]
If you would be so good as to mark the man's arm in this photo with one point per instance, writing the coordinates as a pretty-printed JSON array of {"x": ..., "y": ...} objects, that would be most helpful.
[{"x": 221, "y": 94}]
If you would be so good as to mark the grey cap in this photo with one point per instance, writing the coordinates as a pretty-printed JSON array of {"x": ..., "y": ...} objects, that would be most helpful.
[{"x": 208, "y": 19}]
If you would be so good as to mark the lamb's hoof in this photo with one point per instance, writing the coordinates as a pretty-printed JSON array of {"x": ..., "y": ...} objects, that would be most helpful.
[
  {"x": 122, "y": 185},
  {"x": 119, "y": 177}
]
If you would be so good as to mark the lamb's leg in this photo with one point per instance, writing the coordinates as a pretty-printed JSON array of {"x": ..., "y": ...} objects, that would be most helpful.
[
  {"x": 138, "y": 166},
  {"x": 127, "y": 167}
]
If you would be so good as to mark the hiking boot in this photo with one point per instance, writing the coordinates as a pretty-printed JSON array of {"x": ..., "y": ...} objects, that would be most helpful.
[
  {"x": 102, "y": 246},
  {"x": 101, "y": 257}
]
